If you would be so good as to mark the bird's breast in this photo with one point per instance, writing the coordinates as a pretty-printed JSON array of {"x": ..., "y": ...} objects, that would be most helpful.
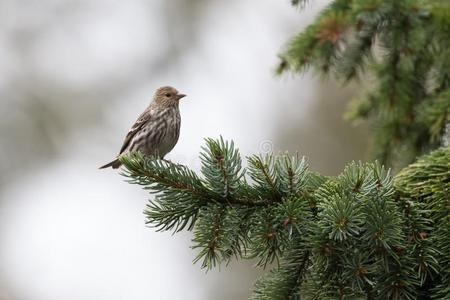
[{"x": 172, "y": 132}]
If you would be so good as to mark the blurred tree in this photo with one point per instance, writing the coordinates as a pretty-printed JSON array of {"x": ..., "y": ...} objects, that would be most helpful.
[
  {"x": 402, "y": 48},
  {"x": 364, "y": 234}
]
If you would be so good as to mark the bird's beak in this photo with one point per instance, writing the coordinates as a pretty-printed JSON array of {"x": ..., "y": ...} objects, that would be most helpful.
[{"x": 181, "y": 96}]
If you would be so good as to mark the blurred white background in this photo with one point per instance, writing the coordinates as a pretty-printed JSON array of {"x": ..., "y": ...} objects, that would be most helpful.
[{"x": 75, "y": 74}]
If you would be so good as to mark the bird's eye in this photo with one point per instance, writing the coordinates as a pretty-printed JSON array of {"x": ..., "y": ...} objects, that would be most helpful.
[{"x": 168, "y": 95}]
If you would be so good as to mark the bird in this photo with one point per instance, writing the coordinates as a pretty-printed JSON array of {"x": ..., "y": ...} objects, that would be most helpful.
[{"x": 156, "y": 131}]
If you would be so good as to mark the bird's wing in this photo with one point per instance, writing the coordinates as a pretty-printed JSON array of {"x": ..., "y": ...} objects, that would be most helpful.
[{"x": 140, "y": 122}]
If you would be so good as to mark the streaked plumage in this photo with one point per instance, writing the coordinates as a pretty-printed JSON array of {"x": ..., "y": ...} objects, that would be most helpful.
[{"x": 157, "y": 129}]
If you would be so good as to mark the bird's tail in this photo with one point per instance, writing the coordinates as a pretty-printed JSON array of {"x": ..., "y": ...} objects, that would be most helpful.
[{"x": 114, "y": 164}]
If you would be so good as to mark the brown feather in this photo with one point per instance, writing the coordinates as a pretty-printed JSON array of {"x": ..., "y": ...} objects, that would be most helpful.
[
  {"x": 114, "y": 164},
  {"x": 140, "y": 122}
]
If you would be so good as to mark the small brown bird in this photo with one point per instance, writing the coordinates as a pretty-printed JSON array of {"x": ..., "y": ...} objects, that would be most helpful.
[{"x": 157, "y": 129}]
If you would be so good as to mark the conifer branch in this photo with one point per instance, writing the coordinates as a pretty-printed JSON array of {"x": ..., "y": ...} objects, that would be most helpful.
[
  {"x": 363, "y": 232},
  {"x": 403, "y": 45}
]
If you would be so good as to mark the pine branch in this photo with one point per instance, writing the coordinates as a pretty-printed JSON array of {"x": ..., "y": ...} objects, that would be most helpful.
[
  {"x": 285, "y": 282},
  {"x": 364, "y": 234},
  {"x": 403, "y": 46},
  {"x": 354, "y": 235},
  {"x": 231, "y": 217},
  {"x": 221, "y": 166},
  {"x": 292, "y": 173},
  {"x": 180, "y": 193},
  {"x": 427, "y": 184},
  {"x": 319, "y": 44},
  {"x": 262, "y": 171},
  {"x": 217, "y": 235}
]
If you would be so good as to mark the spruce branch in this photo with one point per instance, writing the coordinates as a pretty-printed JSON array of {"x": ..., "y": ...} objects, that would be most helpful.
[
  {"x": 262, "y": 171},
  {"x": 180, "y": 193},
  {"x": 363, "y": 233},
  {"x": 292, "y": 172},
  {"x": 218, "y": 235},
  {"x": 221, "y": 166},
  {"x": 285, "y": 282},
  {"x": 230, "y": 216},
  {"x": 427, "y": 184},
  {"x": 403, "y": 47}
]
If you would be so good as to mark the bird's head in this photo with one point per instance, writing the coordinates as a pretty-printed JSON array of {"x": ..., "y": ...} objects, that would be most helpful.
[{"x": 167, "y": 96}]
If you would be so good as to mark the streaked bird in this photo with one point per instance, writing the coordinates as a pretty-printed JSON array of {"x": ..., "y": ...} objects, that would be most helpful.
[{"x": 157, "y": 129}]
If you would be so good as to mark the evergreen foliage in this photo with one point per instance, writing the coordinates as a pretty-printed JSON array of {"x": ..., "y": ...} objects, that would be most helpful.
[
  {"x": 428, "y": 182},
  {"x": 364, "y": 234},
  {"x": 361, "y": 235},
  {"x": 403, "y": 48}
]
